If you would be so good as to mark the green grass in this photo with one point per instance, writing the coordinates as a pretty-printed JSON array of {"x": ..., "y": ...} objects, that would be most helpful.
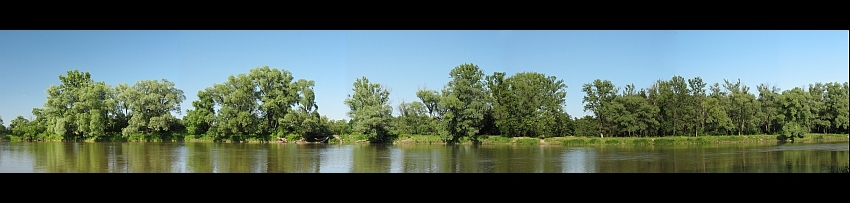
[
  {"x": 420, "y": 139},
  {"x": 494, "y": 140},
  {"x": 434, "y": 139},
  {"x": 526, "y": 141},
  {"x": 347, "y": 139}
]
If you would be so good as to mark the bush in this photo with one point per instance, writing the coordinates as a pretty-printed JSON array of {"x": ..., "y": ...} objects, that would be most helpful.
[{"x": 293, "y": 137}]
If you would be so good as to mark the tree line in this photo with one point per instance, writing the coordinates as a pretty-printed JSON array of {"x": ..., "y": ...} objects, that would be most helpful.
[{"x": 268, "y": 103}]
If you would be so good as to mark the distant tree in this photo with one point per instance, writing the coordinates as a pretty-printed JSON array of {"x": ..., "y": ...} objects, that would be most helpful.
[
  {"x": 430, "y": 99},
  {"x": 2, "y": 127}
]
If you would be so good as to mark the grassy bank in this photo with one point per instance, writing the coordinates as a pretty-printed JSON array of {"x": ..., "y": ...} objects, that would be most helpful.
[
  {"x": 585, "y": 141},
  {"x": 485, "y": 140}
]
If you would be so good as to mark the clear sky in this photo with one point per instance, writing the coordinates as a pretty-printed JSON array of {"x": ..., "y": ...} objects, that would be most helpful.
[{"x": 30, "y": 61}]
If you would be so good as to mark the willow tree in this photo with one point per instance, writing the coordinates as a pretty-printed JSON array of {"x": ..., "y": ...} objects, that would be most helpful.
[
  {"x": 370, "y": 112},
  {"x": 151, "y": 103},
  {"x": 277, "y": 93},
  {"x": 238, "y": 113},
  {"x": 78, "y": 107},
  {"x": 305, "y": 119}
]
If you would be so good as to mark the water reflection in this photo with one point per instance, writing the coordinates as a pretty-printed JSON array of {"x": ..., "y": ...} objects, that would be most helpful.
[{"x": 58, "y": 157}]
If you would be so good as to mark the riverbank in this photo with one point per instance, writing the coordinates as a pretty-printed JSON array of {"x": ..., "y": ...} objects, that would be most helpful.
[
  {"x": 585, "y": 141},
  {"x": 484, "y": 140}
]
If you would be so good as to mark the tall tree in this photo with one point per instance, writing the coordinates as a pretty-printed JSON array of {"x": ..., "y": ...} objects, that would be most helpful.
[
  {"x": 697, "y": 89},
  {"x": 531, "y": 103},
  {"x": 151, "y": 104},
  {"x": 277, "y": 93},
  {"x": 200, "y": 119},
  {"x": 716, "y": 108},
  {"x": 78, "y": 107},
  {"x": 836, "y": 101},
  {"x": 744, "y": 106},
  {"x": 796, "y": 108},
  {"x": 769, "y": 114},
  {"x": 430, "y": 99},
  {"x": 819, "y": 106},
  {"x": 370, "y": 109},
  {"x": 599, "y": 96},
  {"x": 465, "y": 100}
]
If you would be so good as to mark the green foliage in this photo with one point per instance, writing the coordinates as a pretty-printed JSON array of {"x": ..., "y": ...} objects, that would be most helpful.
[
  {"x": 293, "y": 137},
  {"x": 586, "y": 126},
  {"x": 370, "y": 109},
  {"x": 2, "y": 127},
  {"x": 528, "y": 104},
  {"x": 527, "y": 141},
  {"x": 598, "y": 99},
  {"x": 465, "y": 103},
  {"x": 792, "y": 130}
]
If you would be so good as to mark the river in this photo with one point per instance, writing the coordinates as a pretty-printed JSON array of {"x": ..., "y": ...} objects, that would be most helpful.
[{"x": 198, "y": 157}]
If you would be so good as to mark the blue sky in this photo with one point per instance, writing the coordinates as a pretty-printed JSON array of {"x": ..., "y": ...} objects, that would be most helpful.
[{"x": 30, "y": 61}]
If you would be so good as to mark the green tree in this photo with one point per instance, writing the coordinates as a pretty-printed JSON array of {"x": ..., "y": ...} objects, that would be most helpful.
[
  {"x": 200, "y": 119},
  {"x": 743, "y": 106},
  {"x": 370, "y": 109},
  {"x": 18, "y": 125},
  {"x": 78, "y": 107},
  {"x": 633, "y": 112},
  {"x": 2, "y": 127},
  {"x": 796, "y": 108},
  {"x": 839, "y": 104},
  {"x": 151, "y": 103},
  {"x": 586, "y": 126},
  {"x": 599, "y": 96},
  {"x": 430, "y": 99},
  {"x": 413, "y": 118},
  {"x": 819, "y": 107},
  {"x": 716, "y": 107},
  {"x": 769, "y": 115},
  {"x": 697, "y": 89},
  {"x": 465, "y": 101},
  {"x": 278, "y": 93},
  {"x": 528, "y": 103}
]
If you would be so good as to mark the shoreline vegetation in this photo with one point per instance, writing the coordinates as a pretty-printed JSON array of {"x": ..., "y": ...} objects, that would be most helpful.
[
  {"x": 408, "y": 139},
  {"x": 526, "y": 108}
]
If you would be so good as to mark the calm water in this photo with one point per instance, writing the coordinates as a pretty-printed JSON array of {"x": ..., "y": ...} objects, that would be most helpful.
[{"x": 57, "y": 157}]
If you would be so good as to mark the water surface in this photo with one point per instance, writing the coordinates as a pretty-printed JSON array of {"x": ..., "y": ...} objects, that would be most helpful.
[{"x": 191, "y": 157}]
